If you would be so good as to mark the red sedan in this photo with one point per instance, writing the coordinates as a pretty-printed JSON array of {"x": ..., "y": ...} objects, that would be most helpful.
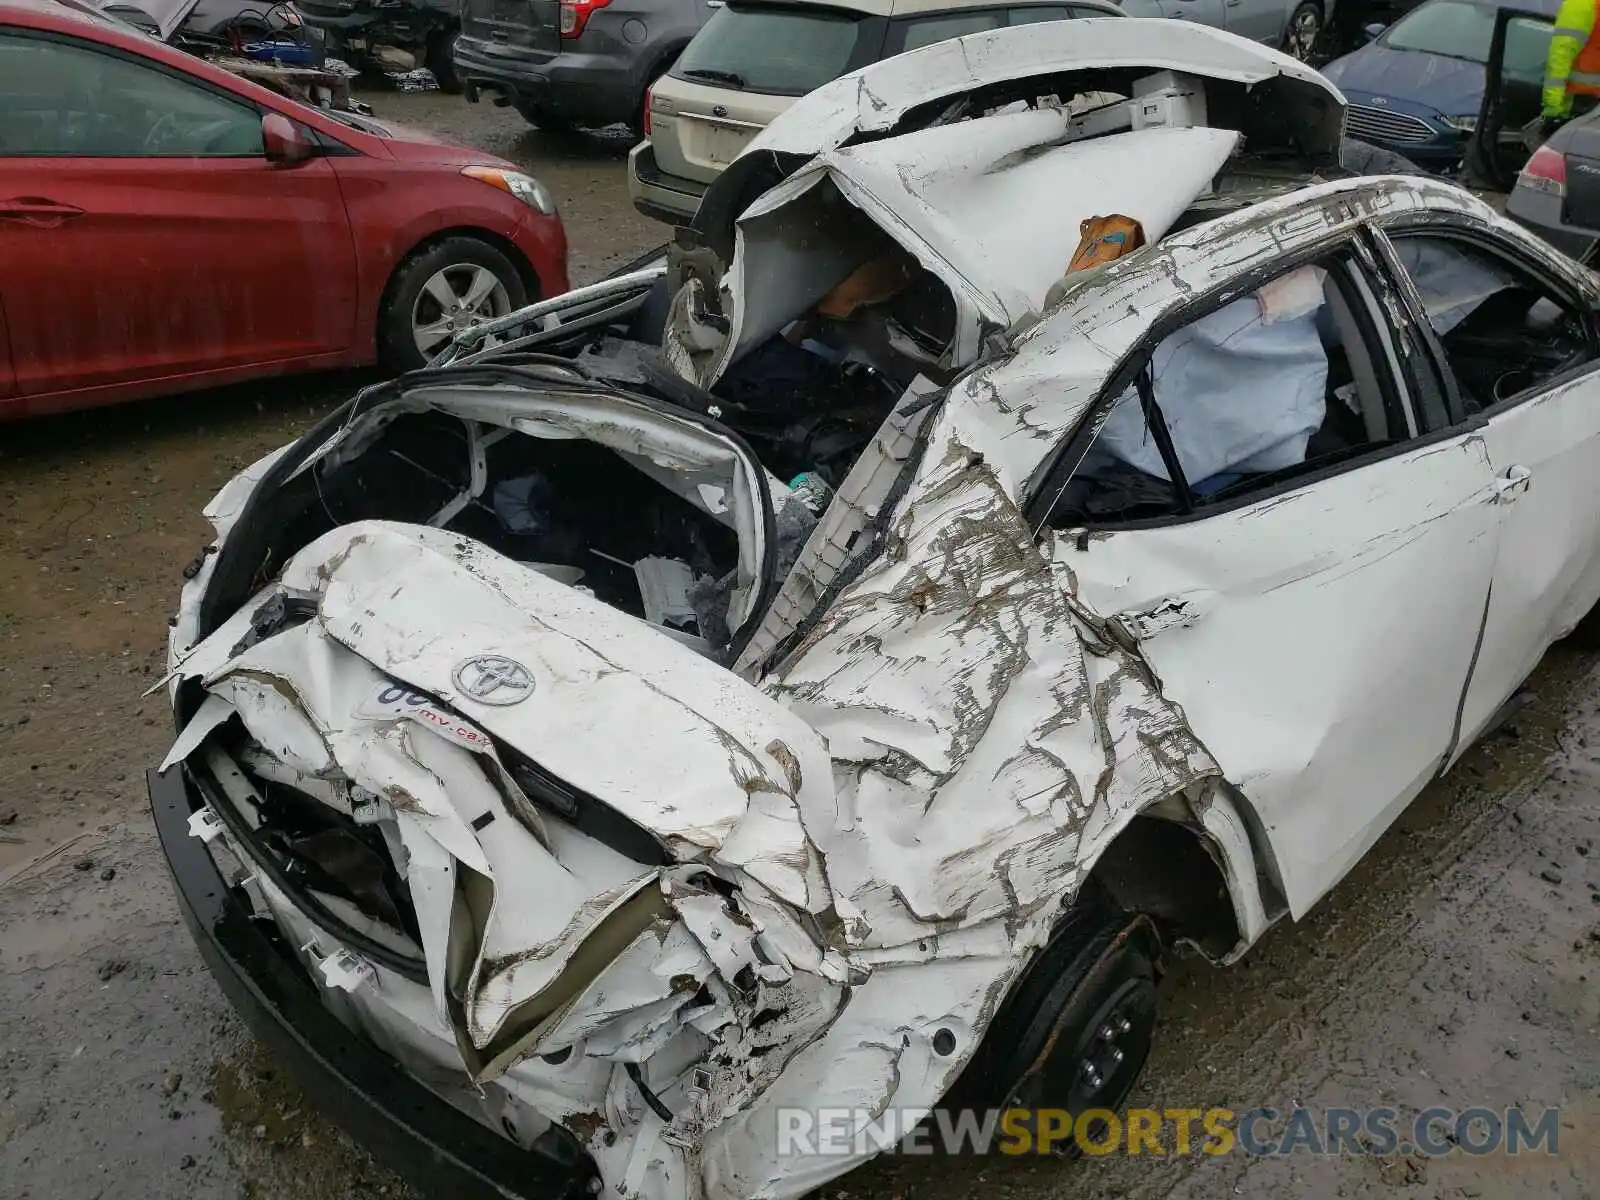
[{"x": 165, "y": 225}]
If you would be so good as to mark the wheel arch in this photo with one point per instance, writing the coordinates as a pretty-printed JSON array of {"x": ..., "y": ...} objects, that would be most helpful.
[
  {"x": 531, "y": 283},
  {"x": 1199, "y": 864},
  {"x": 1191, "y": 869},
  {"x": 661, "y": 64}
]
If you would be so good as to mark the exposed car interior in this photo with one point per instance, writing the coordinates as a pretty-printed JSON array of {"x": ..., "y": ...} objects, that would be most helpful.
[
  {"x": 1501, "y": 332},
  {"x": 1269, "y": 386}
]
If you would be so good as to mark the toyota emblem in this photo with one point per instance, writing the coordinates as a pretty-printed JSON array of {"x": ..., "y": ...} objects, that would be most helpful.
[
  {"x": 491, "y": 679},
  {"x": 720, "y": 110}
]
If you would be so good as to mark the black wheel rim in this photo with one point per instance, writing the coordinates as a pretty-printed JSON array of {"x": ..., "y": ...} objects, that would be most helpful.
[{"x": 1095, "y": 1065}]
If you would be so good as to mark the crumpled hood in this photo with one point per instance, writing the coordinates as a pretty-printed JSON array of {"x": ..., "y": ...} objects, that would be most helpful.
[
  {"x": 963, "y": 200},
  {"x": 536, "y": 929}
]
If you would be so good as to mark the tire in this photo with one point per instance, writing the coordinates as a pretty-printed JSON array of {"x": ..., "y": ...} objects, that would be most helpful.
[
  {"x": 1302, "y": 34},
  {"x": 412, "y": 298},
  {"x": 1075, "y": 1032},
  {"x": 636, "y": 124},
  {"x": 441, "y": 60},
  {"x": 545, "y": 120}
]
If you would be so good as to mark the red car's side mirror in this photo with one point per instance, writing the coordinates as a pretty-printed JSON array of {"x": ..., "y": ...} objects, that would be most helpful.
[{"x": 284, "y": 142}]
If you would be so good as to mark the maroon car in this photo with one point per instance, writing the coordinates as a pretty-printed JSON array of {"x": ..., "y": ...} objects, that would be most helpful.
[{"x": 165, "y": 225}]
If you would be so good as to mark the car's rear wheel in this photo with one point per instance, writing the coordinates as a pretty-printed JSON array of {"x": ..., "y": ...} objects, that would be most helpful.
[
  {"x": 440, "y": 291},
  {"x": 441, "y": 61},
  {"x": 637, "y": 122},
  {"x": 546, "y": 120},
  {"x": 1304, "y": 31},
  {"x": 1074, "y": 1034}
]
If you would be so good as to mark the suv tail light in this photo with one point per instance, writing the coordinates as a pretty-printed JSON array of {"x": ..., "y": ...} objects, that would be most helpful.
[
  {"x": 575, "y": 15},
  {"x": 1546, "y": 172},
  {"x": 649, "y": 98}
]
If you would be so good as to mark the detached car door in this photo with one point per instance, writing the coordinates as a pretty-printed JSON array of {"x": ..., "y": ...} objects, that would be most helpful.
[
  {"x": 143, "y": 232},
  {"x": 1518, "y": 343},
  {"x": 1202, "y": 12},
  {"x": 1258, "y": 20},
  {"x": 1298, "y": 538}
]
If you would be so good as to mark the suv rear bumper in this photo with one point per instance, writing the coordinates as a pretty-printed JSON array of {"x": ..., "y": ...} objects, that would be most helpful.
[
  {"x": 660, "y": 196},
  {"x": 586, "y": 89},
  {"x": 411, "y": 1131},
  {"x": 1543, "y": 215}
]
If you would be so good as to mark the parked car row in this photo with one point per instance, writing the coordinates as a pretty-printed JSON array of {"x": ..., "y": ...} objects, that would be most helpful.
[
  {"x": 447, "y": 237},
  {"x": 570, "y": 63}
]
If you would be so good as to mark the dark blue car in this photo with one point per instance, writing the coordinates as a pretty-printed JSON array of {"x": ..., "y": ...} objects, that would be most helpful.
[{"x": 1416, "y": 87}]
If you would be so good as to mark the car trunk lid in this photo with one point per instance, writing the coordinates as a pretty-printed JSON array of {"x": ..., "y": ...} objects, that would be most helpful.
[
  {"x": 697, "y": 129},
  {"x": 514, "y": 24}
]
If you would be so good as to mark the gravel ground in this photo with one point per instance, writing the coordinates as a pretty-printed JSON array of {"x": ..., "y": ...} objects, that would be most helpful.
[{"x": 1459, "y": 965}]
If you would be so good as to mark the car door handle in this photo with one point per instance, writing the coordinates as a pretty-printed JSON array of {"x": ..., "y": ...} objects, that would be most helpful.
[
  {"x": 37, "y": 211},
  {"x": 1513, "y": 483}
]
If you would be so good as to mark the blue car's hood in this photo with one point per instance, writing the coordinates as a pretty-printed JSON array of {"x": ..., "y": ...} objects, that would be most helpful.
[{"x": 1451, "y": 86}]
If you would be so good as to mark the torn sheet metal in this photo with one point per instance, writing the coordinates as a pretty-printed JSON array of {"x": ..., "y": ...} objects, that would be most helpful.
[
  {"x": 876, "y": 98},
  {"x": 976, "y": 746},
  {"x": 963, "y": 200}
]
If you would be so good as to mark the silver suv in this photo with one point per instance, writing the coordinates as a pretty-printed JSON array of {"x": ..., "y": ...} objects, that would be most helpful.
[
  {"x": 568, "y": 63},
  {"x": 754, "y": 58}
]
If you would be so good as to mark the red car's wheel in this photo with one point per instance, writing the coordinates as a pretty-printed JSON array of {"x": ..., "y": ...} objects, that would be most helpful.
[{"x": 435, "y": 294}]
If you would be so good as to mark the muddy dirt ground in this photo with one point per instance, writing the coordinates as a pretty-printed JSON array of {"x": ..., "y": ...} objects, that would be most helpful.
[{"x": 1459, "y": 965}]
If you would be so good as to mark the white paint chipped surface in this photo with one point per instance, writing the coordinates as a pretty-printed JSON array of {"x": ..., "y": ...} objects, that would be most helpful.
[{"x": 876, "y": 97}]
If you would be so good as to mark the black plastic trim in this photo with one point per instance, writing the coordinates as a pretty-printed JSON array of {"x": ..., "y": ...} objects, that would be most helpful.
[
  {"x": 434, "y": 1146},
  {"x": 411, "y": 967}
]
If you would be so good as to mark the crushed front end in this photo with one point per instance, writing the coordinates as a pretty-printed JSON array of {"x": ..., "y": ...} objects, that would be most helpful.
[{"x": 511, "y": 818}]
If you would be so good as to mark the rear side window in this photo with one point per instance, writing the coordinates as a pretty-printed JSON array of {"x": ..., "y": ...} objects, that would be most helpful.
[
  {"x": 1503, "y": 333},
  {"x": 1032, "y": 14},
  {"x": 777, "y": 50},
  {"x": 1286, "y": 380},
  {"x": 912, "y": 33}
]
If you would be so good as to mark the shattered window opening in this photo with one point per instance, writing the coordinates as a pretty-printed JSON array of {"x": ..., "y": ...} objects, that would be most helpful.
[
  {"x": 1269, "y": 386},
  {"x": 1502, "y": 332}
]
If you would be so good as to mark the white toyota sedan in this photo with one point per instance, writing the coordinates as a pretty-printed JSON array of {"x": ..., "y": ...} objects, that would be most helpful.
[{"x": 1061, "y": 522}]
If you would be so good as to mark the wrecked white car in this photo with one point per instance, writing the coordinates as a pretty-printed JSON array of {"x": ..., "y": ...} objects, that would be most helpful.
[{"x": 1059, "y": 522}]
